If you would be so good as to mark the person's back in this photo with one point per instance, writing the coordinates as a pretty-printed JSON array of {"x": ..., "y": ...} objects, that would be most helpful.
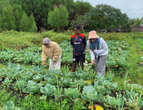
[{"x": 53, "y": 51}]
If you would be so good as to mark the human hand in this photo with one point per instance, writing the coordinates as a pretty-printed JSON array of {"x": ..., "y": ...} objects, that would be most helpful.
[
  {"x": 43, "y": 64},
  {"x": 95, "y": 51},
  {"x": 92, "y": 62},
  {"x": 55, "y": 62}
]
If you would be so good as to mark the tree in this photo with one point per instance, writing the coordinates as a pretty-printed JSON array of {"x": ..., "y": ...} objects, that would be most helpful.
[
  {"x": 79, "y": 9},
  {"x": 58, "y": 18},
  {"x": 7, "y": 20},
  {"x": 24, "y": 23},
  {"x": 27, "y": 23},
  {"x": 135, "y": 22},
  {"x": 33, "y": 24},
  {"x": 40, "y": 9},
  {"x": 81, "y": 20},
  {"x": 17, "y": 13},
  {"x": 107, "y": 17},
  {"x": 3, "y": 3},
  {"x": 37, "y": 8},
  {"x": 142, "y": 20},
  {"x": 70, "y": 5},
  {"x": 12, "y": 17}
]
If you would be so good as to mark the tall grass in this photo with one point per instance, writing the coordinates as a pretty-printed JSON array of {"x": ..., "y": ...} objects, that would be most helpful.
[{"x": 20, "y": 40}]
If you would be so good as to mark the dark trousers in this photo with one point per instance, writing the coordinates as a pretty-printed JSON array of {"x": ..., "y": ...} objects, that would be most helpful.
[{"x": 78, "y": 60}]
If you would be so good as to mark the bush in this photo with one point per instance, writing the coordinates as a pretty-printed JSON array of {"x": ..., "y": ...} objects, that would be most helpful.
[
  {"x": 58, "y": 37},
  {"x": 19, "y": 40}
]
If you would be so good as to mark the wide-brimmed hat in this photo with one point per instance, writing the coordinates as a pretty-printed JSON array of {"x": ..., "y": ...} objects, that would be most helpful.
[
  {"x": 92, "y": 35},
  {"x": 46, "y": 41}
]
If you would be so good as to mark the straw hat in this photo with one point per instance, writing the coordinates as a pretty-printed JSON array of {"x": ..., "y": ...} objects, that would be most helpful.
[{"x": 92, "y": 35}]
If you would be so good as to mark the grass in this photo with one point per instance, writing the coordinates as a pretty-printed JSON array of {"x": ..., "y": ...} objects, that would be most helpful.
[
  {"x": 135, "y": 52},
  {"x": 20, "y": 40}
]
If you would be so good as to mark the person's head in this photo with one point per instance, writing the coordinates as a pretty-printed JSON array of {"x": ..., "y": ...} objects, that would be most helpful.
[
  {"x": 92, "y": 36},
  {"x": 77, "y": 29},
  {"x": 46, "y": 41}
]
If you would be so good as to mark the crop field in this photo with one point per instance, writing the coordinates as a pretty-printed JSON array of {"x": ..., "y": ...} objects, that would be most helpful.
[{"x": 26, "y": 85}]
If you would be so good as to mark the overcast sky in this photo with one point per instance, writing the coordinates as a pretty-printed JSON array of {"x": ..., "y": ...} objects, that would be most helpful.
[{"x": 133, "y": 8}]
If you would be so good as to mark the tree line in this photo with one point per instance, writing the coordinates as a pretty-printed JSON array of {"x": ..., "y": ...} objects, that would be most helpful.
[{"x": 60, "y": 15}]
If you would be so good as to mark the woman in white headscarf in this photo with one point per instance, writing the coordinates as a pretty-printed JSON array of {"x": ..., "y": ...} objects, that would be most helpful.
[{"x": 53, "y": 51}]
